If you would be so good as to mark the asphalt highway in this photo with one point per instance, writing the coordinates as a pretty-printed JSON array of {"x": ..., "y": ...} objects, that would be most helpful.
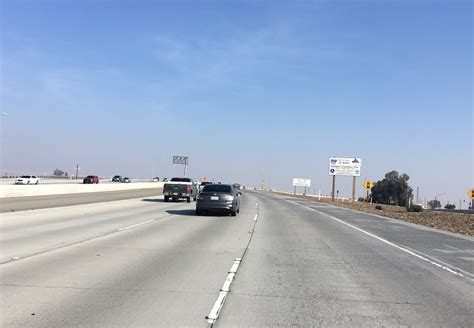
[
  {"x": 12, "y": 204},
  {"x": 142, "y": 262}
]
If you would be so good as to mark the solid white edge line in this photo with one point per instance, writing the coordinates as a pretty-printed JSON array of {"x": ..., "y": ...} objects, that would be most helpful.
[
  {"x": 135, "y": 225},
  {"x": 386, "y": 241},
  {"x": 214, "y": 314}
]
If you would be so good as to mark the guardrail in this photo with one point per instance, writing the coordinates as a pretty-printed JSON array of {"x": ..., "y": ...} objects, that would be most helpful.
[{"x": 7, "y": 191}]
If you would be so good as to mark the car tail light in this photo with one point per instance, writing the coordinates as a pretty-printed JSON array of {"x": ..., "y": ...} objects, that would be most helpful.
[{"x": 188, "y": 189}]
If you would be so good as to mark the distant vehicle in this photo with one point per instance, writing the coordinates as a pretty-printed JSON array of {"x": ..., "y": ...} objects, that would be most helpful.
[
  {"x": 165, "y": 179},
  {"x": 91, "y": 179},
  {"x": 117, "y": 178},
  {"x": 236, "y": 186},
  {"x": 126, "y": 180},
  {"x": 178, "y": 188},
  {"x": 27, "y": 179},
  {"x": 204, "y": 183},
  {"x": 218, "y": 197},
  {"x": 155, "y": 179}
]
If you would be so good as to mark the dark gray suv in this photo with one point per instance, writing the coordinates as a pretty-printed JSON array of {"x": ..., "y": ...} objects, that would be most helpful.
[{"x": 218, "y": 197}]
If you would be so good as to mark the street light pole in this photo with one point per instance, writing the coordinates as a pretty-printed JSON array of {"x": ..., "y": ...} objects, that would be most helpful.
[{"x": 436, "y": 197}]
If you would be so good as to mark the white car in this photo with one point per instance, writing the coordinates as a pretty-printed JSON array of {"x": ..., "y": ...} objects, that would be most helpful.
[{"x": 27, "y": 179}]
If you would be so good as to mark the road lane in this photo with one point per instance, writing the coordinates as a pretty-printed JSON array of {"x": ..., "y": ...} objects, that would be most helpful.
[
  {"x": 28, "y": 233},
  {"x": 303, "y": 268},
  {"x": 452, "y": 250},
  {"x": 167, "y": 267},
  {"x": 167, "y": 272},
  {"x": 12, "y": 204}
]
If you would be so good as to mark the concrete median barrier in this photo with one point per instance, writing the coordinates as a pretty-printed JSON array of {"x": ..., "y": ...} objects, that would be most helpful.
[{"x": 57, "y": 189}]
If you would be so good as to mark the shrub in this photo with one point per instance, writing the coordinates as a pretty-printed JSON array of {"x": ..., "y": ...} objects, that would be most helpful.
[
  {"x": 361, "y": 199},
  {"x": 450, "y": 206},
  {"x": 378, "y": 207},
  {"x": 415, "y": 208}
]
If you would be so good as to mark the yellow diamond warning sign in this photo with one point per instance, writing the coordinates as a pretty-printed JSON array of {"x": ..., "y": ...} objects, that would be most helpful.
[
  {"x": 368, "y": 184},
  {"x": 470, "y": 193}
]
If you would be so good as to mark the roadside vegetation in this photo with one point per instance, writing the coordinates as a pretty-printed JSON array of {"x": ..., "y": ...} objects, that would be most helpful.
[{"x": 393, "y": 197}]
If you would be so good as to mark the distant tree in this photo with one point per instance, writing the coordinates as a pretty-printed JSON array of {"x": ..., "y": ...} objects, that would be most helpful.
[
  {"x": 393, "y": 189},
  {"x": 450, "y": 206},
  {"x": 433, "y": 204},
  {"x": 58, "y": 173}
]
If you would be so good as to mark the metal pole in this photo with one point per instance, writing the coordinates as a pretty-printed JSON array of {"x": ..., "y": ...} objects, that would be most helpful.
[
  {"x": 305, "y": 190},
  {"x": 294, "y": 190},
  {"x": 418, "y": 195},
  {"x": 353, "y": 188},
  {"x": 185, "y": 169},
  {"x": 77, "y": 171},
  {"x": 333, "y": 187}
]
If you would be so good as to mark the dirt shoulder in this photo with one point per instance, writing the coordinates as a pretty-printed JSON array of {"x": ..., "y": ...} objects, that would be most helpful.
[{"x": 454, "y": 222}]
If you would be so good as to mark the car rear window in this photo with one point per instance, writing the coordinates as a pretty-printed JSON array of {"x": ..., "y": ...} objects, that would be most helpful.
[
  {"x": 217, "y": 188},
  {"x": 181, "y": 179},
  {"x": 25, "y": 176},
  {"x": 205, "y": 183}
]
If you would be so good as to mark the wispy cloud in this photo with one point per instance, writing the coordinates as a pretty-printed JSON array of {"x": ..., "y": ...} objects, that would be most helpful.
[{"x": 244, "y": 56}]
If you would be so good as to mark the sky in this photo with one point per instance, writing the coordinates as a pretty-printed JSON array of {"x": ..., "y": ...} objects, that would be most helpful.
[{"x": 249, "y": 90}]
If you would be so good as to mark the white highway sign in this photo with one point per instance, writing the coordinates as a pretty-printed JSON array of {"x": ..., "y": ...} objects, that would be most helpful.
[
  {"x": 346, "y": 166},
  {"x": 301, "y": 182}
]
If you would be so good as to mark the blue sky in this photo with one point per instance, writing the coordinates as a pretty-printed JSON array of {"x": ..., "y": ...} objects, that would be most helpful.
[{"x": 247, "y": 89}]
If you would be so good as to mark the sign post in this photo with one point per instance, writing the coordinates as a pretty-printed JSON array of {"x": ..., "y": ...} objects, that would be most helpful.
[
  {"x": 353, "y": 188},
  {"x": 297, "y": 182},
  {"x": 333, "y": 187},
  {"x": 345, "y": 166},
  {"x": 368, "y": 185},
  {"x": 470, "y": 193},
  {"x": 182, "y": 160}
]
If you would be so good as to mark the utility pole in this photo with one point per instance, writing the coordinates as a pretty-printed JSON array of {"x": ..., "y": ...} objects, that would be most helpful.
[
  {"x": 77, "y": 171},
  {"x": 417, "y": 194}
]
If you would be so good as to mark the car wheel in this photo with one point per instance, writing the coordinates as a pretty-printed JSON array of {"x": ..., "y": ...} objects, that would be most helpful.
[
  {"x": 36, "y": 182},
  {"x": 188, "y": 199},
  {"x": 233, "y": 213},
  {"x": 28, "y": 182},
  {"x": 238, "y": 210},
  {"x": 167, "y": 199},
  {"x": 198, "y": 212}
]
